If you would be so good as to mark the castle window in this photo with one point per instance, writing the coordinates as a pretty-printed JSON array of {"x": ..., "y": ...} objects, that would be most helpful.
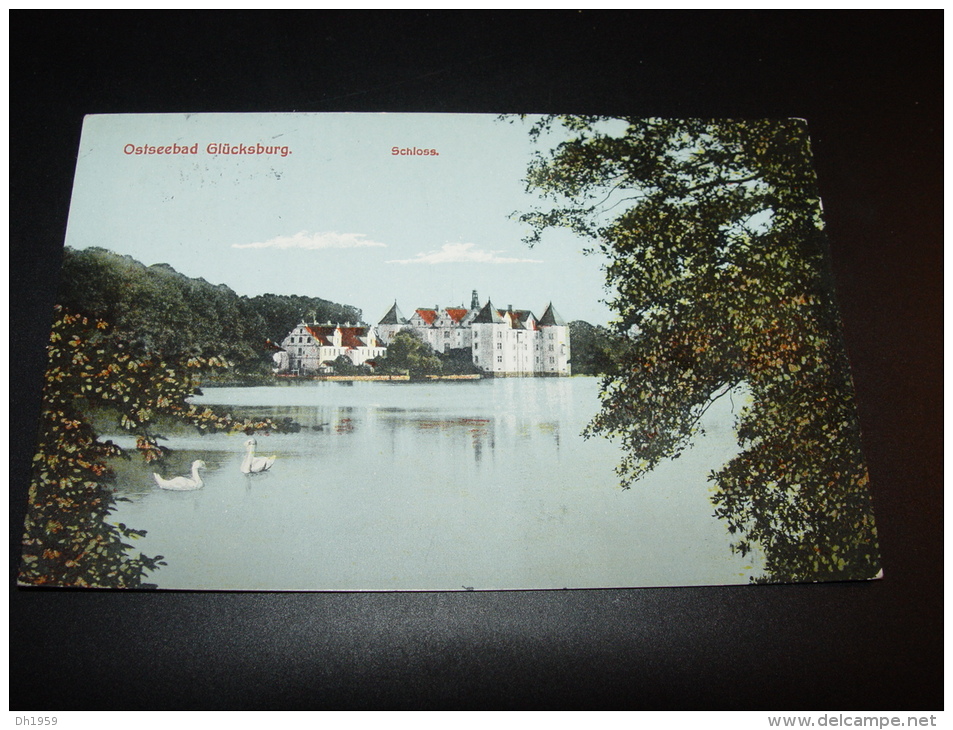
[
  {"x": 499, "y": 345},
  {"x": 499, "y": 358}
]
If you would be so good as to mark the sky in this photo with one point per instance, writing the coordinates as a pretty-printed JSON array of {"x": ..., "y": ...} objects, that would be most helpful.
[{"x": 332, "y": 212}]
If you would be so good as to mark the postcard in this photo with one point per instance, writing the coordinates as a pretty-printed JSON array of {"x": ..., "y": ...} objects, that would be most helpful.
[{"x": 441, "y": 352}]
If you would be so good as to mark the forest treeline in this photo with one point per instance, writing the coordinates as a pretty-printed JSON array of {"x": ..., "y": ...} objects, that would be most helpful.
[{"x": 163, "y": 311}]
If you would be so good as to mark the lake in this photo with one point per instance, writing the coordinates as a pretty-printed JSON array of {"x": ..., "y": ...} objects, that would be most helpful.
[{"x": 483, "y": 484}]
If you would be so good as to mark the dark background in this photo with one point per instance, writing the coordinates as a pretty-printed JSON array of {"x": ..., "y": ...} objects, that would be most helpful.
[{"x": 870, "y": 86}]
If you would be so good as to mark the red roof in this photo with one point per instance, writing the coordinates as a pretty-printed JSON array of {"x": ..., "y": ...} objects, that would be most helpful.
[
  {"x": 457, "y": 314},
  {"x": 322, "y": 334},
  {"x": 428, "y": 315},
  {"x": 351, "y": 337}
]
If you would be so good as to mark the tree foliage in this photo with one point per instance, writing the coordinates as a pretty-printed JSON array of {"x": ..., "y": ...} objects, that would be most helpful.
[
  {"x": 594, "y": 348},
  {"x": 408, "y": 354},
  {"x": 343, "y": 365},
  {"x": 716, "y": 256},
  {"x": 68, "y": 539},
  {"x": 457, "y": 361},
  {"x": 168, "y": 313}
]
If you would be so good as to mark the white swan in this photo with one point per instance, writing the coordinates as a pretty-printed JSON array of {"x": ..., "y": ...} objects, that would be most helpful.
[
  {"x": 182, "y": 484},
  {"x": 255, "y": 464}
]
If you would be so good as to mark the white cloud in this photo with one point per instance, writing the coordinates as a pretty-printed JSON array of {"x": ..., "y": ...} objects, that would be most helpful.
[
  {"x": 463, "y": 253},
  {"x": 306, "y": 240}
]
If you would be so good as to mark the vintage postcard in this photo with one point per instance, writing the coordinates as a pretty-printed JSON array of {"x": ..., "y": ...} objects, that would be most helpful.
[{"x": 348, "y": 352}]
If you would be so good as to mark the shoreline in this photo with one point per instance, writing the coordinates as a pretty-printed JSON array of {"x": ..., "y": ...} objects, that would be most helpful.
[
  {"x": 289, "y": 379},
  {"x": 384, "y": 378}
]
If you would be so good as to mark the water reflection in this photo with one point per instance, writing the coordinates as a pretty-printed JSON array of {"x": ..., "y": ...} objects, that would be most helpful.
[
  {"x": 482, "y": 434},
  {"x": 486, "y": 484}
]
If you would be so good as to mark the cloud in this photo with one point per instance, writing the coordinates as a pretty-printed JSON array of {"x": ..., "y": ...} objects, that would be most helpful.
[
  {"x": 463, "y": 253},
  {"x": 313, "y": 241}
]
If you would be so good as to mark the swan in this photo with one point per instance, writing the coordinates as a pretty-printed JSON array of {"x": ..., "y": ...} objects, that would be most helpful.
[
  {"x": 255, "y": 464},
  {"x": 182, "y": 484}
]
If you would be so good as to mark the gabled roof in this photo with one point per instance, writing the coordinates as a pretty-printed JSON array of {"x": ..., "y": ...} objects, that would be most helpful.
[
  {"x": 427, "y": 315},
  {"x": 551, "y": 317},
  {"x": 322, "y": 333},
  {"x": 488, "y": 315},
  {"x": 393, "y": 316},
  {"x": 519, "y": 319},
  {"x": 351, "y": 337},
  {"x": 456, "y": 315}
]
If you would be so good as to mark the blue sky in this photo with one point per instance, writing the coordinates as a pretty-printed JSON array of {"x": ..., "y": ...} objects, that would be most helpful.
[{"x": 339, "y": 217}]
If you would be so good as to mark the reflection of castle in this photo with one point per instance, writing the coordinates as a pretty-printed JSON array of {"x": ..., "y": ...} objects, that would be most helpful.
[{"x": 499, "y": 342}]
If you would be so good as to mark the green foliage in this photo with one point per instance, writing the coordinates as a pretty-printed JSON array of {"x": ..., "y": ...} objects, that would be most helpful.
[
  {"x": 594, "y": 348},
  {"x": 168, "y": 313},
  {"x": 68, "y": 539},
  {"x": 408, "y": 354},
  {"x": 342, "y": 365},
  {"x": 457, "y": 361},
  {"x": 716, "y": 255},
  {"x": 279, "y": 314}
]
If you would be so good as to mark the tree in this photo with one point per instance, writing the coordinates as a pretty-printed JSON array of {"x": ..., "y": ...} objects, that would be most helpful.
[
  {"x": 68, "y": 540},
  {"x": 457, "y": 361},
  {"x": 172, "y": 315},
  {"x": 593, "y": 348},
  {"x": 716, "y": 255},
  {"x": 343, "y": 365},
  {"x": 408, "y": 353}
]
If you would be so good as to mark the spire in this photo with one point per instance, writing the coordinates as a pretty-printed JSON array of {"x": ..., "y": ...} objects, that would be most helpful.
[
  {"x": 393, "y": 316},
  {"x": 488, "y": 315},
  {"x": 551, "y": 317}
]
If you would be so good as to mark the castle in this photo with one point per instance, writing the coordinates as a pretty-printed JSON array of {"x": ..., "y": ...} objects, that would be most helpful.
[{"x": 510, "y": 342}]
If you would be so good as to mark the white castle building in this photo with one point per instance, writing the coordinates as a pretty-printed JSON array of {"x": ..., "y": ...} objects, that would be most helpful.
[{"x": 501, "y": 342}]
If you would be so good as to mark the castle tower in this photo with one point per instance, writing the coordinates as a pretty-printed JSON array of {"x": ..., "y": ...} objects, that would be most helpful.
[
  {"x": 554, "y": 343},
  {"x": 390, "y": 324},
  {"x": 474, "y": 300},
  {"x": 489, "y": 329}
]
